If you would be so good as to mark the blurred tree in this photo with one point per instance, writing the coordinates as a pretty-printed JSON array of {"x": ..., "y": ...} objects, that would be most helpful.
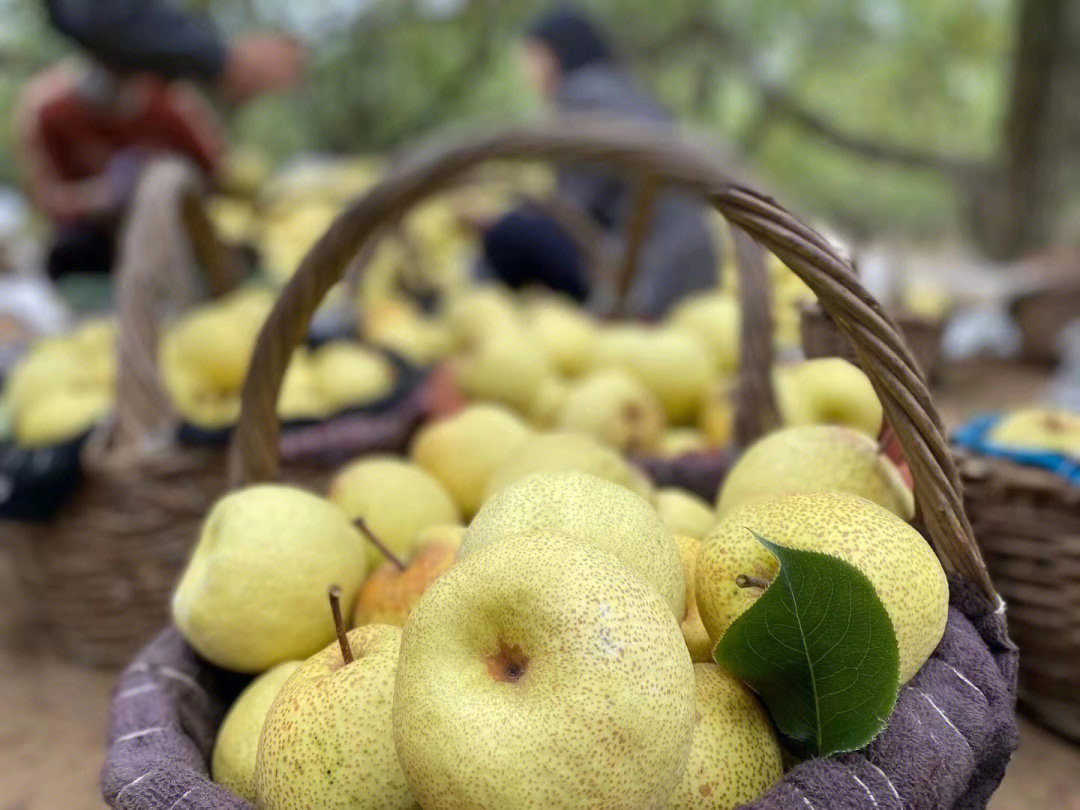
[
  {"x": 1038, "y": 170},
  {"x": 915, "y": 115}
]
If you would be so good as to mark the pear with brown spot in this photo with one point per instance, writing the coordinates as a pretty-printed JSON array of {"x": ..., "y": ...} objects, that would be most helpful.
[
  {"x": 327, "y": 741},
  {"x": 734, "y": 756},
  {"x": 540, "y": 672}
]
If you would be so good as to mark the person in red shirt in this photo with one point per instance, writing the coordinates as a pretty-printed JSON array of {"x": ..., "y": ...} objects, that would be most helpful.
[{"x": 86, "y": 134}]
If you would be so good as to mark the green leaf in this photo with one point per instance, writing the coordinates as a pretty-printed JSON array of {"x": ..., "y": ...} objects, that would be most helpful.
[{"x": 819, "y": 648}]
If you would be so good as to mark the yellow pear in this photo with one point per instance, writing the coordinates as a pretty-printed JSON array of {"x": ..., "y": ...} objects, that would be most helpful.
[
  {"x": 680, "y": 441},
  {"x": 253, "y": 593},
  {"x": 671, "y": 364},
  {"x": 462, "y": 451},
  {"x": 64, "y": 414},
  {"x": 684, "y": 512},
  {"x": 830, "y": 391},
  {"x": 300, "y": 397},
  {"x": 216, "y": 340},
  {"x": 592, "y": 510},
  {"x": 328, "y": 738},
  {"x": 396, "y": 499},
  {"x": 1039, "y": 429},
  {"x": 734, "y": 757},
  {"x": 548, "y": 402},
  {"x": 714, "y": 319},
  {"x": 566, "y": 452},
  {"x": 540, "y": 672},
  {"x": 233, "y": 762},
  {"x": 813, "y": 458},
  {"x": 348, "y": 374},
  {"x": 614, "y": 408},
  {"x": 717, "y": 416},
  {"x": 422, "y": 341},
  {"x": 507, "y": 365},
  {"x": 895, "y": 558},
  {"x": 694, "y": 634},
  {"x": 565, "y": 330},
  {"x": 480, "y": 310}
]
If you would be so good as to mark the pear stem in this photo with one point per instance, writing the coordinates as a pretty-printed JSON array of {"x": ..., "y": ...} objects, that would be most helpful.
[
  {"x": 339, "y": 623},
  {"x": 747, "y": 581},
  {"x": 375, "y": 541}
]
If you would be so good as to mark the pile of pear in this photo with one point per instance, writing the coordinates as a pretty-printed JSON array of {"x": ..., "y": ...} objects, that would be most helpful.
[
  {"x": 62, "y": 386},
  {"x": 204, "y": 356},
  {"x": 663, "y": 389},
  {"x": 525, "y": 620},
  {"x": 1052, "y": 430}
]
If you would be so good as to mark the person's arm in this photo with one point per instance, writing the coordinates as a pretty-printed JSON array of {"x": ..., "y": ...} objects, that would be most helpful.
[
  {"x": 61, "y": 199},
  {"x": 147, "y": 35}
]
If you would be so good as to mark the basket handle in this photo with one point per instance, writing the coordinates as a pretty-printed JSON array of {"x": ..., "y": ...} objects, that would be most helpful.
[
  {"x": 253, "y": 454},
  {"x": 172, "y": 232}
]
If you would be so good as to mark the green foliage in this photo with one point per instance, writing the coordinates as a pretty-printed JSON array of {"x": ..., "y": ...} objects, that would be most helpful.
[
  {"x": 916, "y": 73},
  {"x": 819, "y": 648}
]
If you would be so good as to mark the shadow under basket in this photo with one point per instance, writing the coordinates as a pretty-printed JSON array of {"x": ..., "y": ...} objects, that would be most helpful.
[{"x": 1027, "y": 521}]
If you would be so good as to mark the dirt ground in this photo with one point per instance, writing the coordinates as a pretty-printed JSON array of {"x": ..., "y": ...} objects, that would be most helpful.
[{"x": 53, "y": 715}]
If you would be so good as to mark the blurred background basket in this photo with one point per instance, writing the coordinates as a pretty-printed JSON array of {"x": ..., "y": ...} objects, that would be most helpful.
[
  {"x": 821, "y": 338},
  {"x": 1027, "y": 522},
  {"x": 960, "y": 766},
  {"x": 97, "y": 575}
]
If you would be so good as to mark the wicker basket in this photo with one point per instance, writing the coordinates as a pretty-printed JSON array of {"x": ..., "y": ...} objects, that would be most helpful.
[
  {"x": 1027, "y": 522},
  {"x": 1041, "y": 314},
  {"x": 169, "y": 702},
  {"x": 821, "y": 338},
  {"x": 99, "y": 573}
]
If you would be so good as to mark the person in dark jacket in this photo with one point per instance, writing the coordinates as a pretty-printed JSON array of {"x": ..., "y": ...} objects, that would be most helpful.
[
  {"x": 567, "y": 60},
  {"x": 158, "y": 37}
]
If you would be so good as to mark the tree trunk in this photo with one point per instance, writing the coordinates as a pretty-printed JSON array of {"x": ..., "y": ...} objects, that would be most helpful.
[{"x": 1017, "y": 210}]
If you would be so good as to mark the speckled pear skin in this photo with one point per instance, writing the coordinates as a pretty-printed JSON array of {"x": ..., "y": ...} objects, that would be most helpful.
[
  {"x": 895, "y": 558},
  {"x": 694, "y": 633},
  {"x": 540, "y": 672},
  {"x": 233, "y": 762},
  {"x": 811, "y": 458},
  {"x": 327, "y": 741},
  {"x": 592, "y": 510},
  {"x": 734, "y": 756}
]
